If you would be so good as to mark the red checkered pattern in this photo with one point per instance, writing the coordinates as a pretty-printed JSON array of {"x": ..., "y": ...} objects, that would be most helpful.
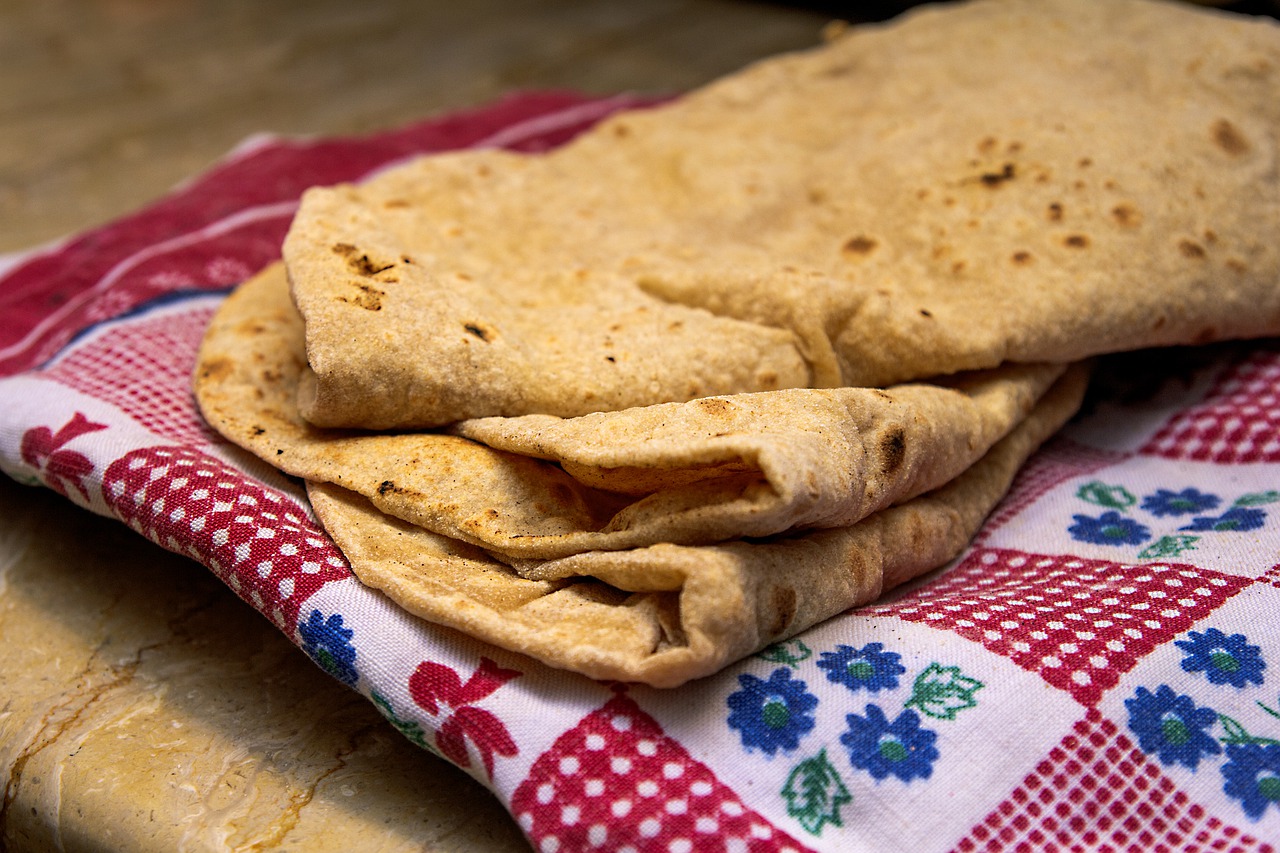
[
  {"x": 216, "y": 257},
  {"x": 213, "y": 258},
  {"x": 616, "y": 782},
  {"x": 1080, "y": 623},
  {"x": 1097, "y": 791},
  {"x": 1061, "y": 460},
  {"x": 144, "y": 370},
  {"x": 1238, "y": 422},
  {"x": 261, "y": 543}
]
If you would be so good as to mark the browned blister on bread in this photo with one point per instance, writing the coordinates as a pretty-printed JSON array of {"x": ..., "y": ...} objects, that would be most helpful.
[{"x": 975, "y": 184}]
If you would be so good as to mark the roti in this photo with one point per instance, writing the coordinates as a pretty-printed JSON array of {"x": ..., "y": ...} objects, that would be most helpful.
[
  {"x": 1033, "y": 181},
  {"x": 653, "y": 544},
  {"x": 718, "y": 370},
  {"x": 541, "y": 487}
]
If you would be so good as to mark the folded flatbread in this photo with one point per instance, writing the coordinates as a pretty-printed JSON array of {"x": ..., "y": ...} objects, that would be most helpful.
[
  {"x": 541, "y": 487},
  {"x": 718, "y": 370},
  {"x": 974, "y": 184},
  {"x": 666, "y": 614},
  {"x": 654, "y": 544}
]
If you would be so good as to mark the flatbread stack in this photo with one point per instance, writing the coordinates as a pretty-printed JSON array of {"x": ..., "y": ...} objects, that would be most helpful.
[{"x": 718, "y": 370}]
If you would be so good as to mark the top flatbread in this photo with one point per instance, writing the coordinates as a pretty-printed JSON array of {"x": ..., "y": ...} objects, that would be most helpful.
[{"x": 1004, "y": 180}]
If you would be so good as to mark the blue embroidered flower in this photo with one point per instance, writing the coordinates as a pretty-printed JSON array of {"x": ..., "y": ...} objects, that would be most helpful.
[
  {"x": 328, "y": 643},
  {"x": 1252, "y": 775},
  {"x": 1225, "y": 660},
  {"x": 1185, "y": 502},
  {"x": 882, "y": 748},
  {"x": 774, "y": 714},
  {"x": 1171, "y": 726},
  {"x": 1111, "y": 528},
  {"x": 1236, "y": 519},
  {"x": 869, "y": 668}
]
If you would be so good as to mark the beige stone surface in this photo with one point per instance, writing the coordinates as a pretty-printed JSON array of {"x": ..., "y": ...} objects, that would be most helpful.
[
  {"x": 146, "y": 708},
  {"x": 104, "y": 104}
]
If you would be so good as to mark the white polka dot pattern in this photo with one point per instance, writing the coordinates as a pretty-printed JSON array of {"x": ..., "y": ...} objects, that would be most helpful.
[
  {"x": 1238, "y": 422},
  {"x": 1080, "y": 623},
  {"x": 617, "y": 783},
  {"x": 1097, "y": 790},
  {"x": 259, "y": 542}
]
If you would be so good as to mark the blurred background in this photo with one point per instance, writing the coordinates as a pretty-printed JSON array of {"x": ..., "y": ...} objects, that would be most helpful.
[{"x": 104, "y": 104}]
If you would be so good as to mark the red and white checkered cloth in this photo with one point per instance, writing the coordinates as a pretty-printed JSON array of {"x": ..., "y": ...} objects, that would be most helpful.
[{"x": 1099, "y": 671}]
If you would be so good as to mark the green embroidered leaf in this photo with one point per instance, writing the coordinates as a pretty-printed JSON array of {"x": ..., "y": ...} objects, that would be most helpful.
[
  {"x": 790, "y": 653},
  {"x": 815, "y": 793},
  {"x": 408, "y": 728},
  {"x": 942, "y": 692},
  {"x": 1236, "y": 733},
  {"x": 1169, "y": 546},
  {"x": 1258, "y": 498},
  {"x": 1113, "y": 497},
  {"x": 1272, "y": 711}
]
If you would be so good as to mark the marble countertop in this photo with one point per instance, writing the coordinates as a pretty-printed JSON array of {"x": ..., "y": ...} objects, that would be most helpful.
[{"x": 124, "y": 725}]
